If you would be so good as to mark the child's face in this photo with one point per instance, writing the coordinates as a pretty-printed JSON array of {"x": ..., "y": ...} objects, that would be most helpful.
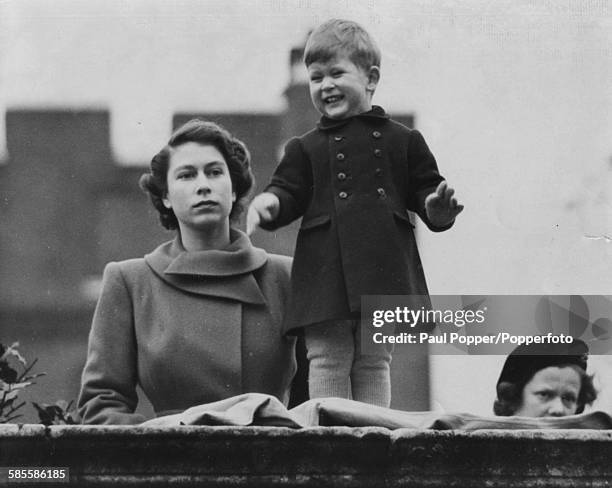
[
  {"x": 552, "y": 392},
  {"x": 340, "y": 89}
]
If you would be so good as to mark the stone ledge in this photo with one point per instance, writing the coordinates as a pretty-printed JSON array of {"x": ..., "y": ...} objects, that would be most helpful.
[{"x": 312, "y": 457}]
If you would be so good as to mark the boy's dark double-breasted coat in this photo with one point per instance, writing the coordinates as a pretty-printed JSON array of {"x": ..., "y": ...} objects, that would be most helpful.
[{"x": 353, "y": 181}]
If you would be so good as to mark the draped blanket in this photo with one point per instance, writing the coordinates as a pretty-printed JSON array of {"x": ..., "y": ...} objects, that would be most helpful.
[{"x": 256, "y": 409}]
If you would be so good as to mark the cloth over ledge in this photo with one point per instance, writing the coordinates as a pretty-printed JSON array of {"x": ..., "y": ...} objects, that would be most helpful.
[{"x": 257, "y": 409}]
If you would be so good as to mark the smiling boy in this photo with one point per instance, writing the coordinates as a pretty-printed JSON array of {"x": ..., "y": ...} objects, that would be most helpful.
[{"x": 352, "y": 180}]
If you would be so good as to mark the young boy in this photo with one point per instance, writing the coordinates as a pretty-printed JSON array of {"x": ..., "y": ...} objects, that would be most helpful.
[{"x": 352, "y": 178}]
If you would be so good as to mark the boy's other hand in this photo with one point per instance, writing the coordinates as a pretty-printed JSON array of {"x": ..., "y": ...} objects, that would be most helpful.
[
  {"x": 263, "y": 208},
  {"x": 441, "y": 206}
]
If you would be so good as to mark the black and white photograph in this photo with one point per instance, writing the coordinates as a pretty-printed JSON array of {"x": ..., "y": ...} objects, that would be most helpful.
[{"x": 306, "y": 243}]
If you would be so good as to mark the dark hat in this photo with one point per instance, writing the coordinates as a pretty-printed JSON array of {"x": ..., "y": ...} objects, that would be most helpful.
[{"x": 527, "y": 359}]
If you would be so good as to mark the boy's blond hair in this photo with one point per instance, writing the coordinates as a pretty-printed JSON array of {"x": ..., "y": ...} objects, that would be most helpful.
[{"x": 342, "y": 36}]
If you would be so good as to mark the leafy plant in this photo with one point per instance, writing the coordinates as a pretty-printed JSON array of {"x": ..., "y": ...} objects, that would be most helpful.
[
  {"x": 60, "y": 413},
  {"x": 12, "y": 382}
]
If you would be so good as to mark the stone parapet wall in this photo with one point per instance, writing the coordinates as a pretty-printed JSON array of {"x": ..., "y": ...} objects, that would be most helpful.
[{"x": 312, "y": 457}]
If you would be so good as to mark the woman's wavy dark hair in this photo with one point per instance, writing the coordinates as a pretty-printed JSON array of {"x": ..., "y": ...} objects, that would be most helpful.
[
  {"x": 236, "y": 155},
  {"x": 510, "y": 395}
]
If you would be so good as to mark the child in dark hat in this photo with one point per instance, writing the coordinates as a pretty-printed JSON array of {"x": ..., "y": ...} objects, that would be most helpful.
[{"x": 545, "y": 380}]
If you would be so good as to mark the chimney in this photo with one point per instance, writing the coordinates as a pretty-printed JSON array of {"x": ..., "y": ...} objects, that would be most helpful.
[{"x": 300, "y": 115}]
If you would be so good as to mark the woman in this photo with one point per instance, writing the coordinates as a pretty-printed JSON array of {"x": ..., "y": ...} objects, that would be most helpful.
[
  {"x": 198, "y": 319},
  {"x": 545, "y": 380}
]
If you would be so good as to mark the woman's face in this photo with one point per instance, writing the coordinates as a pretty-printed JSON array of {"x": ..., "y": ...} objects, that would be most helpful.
[
  {"x": 552, "y": 392},
  {"x": 199, "y": 187}
]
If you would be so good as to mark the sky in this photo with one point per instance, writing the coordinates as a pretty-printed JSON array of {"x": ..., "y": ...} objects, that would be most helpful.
[{"x": 144, "y": 59}]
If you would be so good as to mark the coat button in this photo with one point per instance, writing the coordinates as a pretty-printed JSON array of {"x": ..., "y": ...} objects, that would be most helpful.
[
  {"x": 340, "y": 157},
  {"x": 377, "y": 153},
  {"x": 342, "y": 176},
  {"x": 338, "y": 138},
  {"x": 381, "y": 192},
  {"x": 376, "y": 134},
  {"x": 378, "y": 171},
  {"x": 343, "y": 195}
]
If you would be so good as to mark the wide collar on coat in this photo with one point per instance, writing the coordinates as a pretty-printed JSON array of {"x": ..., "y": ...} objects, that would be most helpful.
[
  {"x": 225, "y": 273},
  {"x": 377, "y": 113}
]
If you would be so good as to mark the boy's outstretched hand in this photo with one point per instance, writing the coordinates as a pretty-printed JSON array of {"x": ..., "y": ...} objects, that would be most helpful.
[
  {"x": 263, "y": 208},
  {"x": 441, "y": 206}
]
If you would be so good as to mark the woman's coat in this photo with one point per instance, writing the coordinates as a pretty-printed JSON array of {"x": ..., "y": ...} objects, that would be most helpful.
[{"x": 190, "y": 328}]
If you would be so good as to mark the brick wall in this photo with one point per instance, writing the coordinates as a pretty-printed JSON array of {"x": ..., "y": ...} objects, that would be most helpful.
[{"x": 314, "y": 457}]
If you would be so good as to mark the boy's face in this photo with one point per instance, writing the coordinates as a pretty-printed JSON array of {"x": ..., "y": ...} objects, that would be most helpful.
[{"x": 340, "y": 89}]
